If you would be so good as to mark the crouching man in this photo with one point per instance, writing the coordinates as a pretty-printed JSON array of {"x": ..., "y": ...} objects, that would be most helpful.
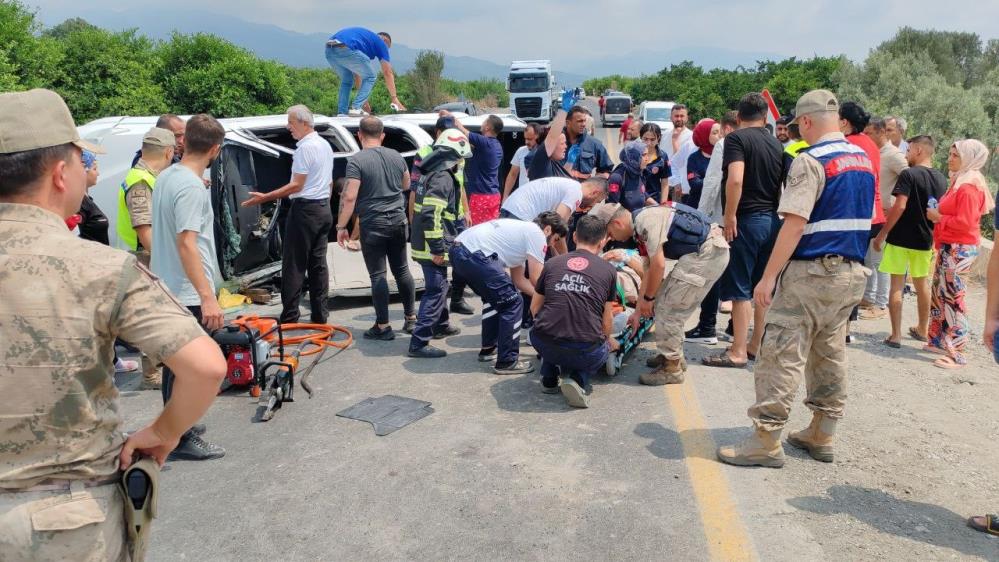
[
  {"x": 482, "y": 254},
  {"x": 435, "y": 214},
  {"x": 676, "y": 232},
  {"x": 573, "y": 313}
]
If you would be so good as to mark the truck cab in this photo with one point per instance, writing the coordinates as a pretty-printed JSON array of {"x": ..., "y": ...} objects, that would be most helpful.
[{"x": 533, "y": 91}]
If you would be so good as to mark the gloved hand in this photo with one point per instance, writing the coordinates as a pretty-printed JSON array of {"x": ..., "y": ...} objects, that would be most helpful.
[{"x": 568, "y": 100}]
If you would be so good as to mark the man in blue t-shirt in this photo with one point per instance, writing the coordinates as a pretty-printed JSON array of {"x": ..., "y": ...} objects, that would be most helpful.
[
  {"x": 482, "y": 170},
  {"x": 351, "y": 53}
]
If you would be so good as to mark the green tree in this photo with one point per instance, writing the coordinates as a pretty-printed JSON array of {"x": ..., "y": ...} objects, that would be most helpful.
[
  {"x": 68, "y": 27},
  {"x": 34, "y": 60},
  {"x": 315, "y": 87},
  {"x": 202, "y": 73},
  {"x": 107, "y": 73},
  {"x": 425, "y": 79}
]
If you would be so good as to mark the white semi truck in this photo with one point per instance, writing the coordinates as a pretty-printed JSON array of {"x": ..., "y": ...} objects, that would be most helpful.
[{"x": 533, "y": 92}]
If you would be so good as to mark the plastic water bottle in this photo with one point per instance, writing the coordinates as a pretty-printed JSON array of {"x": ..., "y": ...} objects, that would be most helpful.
[{"x": 932, "y": 203}]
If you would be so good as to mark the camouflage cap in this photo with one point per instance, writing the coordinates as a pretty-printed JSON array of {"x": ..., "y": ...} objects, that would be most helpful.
[
  {"x": 604, "y": 211},
  {"x": 37, "y": 119},
  {"x": 159, "y": 137}
]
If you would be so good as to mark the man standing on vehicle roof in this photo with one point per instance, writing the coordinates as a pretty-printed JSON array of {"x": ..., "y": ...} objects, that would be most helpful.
[
  {"x": 307, "y": 229},
  {"x": 482, "y": 171},
  {"x": 352, "y": 52},
  {"x": 586, "y": 156}
]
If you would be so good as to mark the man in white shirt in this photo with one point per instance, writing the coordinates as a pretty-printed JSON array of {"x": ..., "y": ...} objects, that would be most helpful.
[
  {"x": 482, "y": 255},
  {"x": 562, "y": 195},
  {"x": 678, "y": 148},
  {"x": 518, "y": 166},
  {"x": 895, "y": 128},
  {"x": 308, "y": 225}
]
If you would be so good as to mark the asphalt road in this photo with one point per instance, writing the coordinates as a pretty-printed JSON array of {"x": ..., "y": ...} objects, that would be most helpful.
[{"x": 501, "y": 471}]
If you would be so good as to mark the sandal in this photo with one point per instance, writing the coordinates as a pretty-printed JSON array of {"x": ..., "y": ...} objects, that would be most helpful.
[
  {"x": 722, "y": 360},
  {"x": 947, "y": 363},
  {"x": 988, "y": 524},
  {"x": 914, "y": 334},
  {"x": 892, "y": 344}
]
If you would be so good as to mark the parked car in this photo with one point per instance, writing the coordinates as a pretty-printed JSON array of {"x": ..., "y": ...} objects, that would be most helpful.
[
  {"x": 616, "y": 109},
  {"x": 466, "y": 107},
  {"x": 256, "y": 156},
  {"x": 657, "y": 112}
]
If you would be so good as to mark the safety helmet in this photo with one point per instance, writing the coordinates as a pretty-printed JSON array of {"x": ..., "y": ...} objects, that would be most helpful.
[{"x": 456, "y": 140}]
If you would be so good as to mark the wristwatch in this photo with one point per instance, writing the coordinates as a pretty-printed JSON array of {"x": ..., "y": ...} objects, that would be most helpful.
[
  {"x": 648, "y": 299},
  {"x": 341, "y": 228}
]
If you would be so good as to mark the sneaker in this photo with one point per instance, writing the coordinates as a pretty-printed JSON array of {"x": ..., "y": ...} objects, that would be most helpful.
[
  {"x": 550, "y": 389},
  {"x": 849, "y": 338},
  {"x": 193, "y": 448},
  {"x": 701, "y": 335},
  {"x": 514, "y": 368},
  {"x": 574, "y": 394},
  {"x": 487, "y": 355},
  {"x": 125, "y": 365},
  {"x": 427, "y": 352},
  {"x": 356, "y": 113},
  {"x": 447, "y": 332},
  {"x": 409, "y": 325},
  {"x": 376, "y": 333},
  {"x": 460, "y": 306},
  {"x": 198, "y": 429}
]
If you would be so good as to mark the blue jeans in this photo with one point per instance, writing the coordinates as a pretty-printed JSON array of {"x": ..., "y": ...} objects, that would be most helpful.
[
  {"x": 576, "y": 360},
  {"x": 433, "y": 316},
  {"x": 346, "y": 63},
  {"x": 748, "y": 255},
  {"x": 502, "y": 304}
]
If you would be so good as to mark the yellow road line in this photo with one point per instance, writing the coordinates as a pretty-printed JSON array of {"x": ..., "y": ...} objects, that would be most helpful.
[{"x": 724, "y": 530}]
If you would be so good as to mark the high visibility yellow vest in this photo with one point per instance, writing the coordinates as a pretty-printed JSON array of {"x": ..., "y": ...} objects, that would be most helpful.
[
  {"x": 795, "y": 147},
  {"x": 125, "y": 230}
]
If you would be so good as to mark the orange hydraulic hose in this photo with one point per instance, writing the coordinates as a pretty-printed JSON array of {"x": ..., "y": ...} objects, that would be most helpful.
[{"x": 320, "y": 334}]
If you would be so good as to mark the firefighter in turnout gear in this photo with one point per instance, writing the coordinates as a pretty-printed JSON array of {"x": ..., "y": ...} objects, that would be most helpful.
[{"x": 435, "y": 212}]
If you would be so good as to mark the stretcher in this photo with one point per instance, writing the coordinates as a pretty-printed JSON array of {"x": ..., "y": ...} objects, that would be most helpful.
[{"x": 627, "y": 338}]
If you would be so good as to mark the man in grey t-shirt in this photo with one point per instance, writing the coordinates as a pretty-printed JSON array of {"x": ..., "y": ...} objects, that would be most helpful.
[
  {"x": 184, "y": 251},
  {"x": 376, "y": 178}
]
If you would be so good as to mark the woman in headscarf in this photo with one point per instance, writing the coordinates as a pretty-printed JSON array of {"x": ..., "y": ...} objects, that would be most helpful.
[
  {"x": 956, "y": 237},
  {"x": 655, "y": 163},
  {"x": 627, "y": 184},
  {"x": 706, "y": 134}
]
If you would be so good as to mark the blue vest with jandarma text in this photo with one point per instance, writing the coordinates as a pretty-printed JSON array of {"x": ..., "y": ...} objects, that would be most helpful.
[{"x": 840, "y": 222}]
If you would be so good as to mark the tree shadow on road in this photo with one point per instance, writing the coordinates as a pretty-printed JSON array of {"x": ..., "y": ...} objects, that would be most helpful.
[
  {"x": 668, "y": 444},
  {"x": 923, "y": 522}
]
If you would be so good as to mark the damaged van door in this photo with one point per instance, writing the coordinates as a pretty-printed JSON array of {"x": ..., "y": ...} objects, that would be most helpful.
[{"x": 259, "y": 159}]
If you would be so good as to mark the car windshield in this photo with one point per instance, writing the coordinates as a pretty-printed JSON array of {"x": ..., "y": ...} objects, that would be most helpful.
[
  {"x": 522, "y": 83},
  {"x": 657, "y": 114},
  {"x": 617, "y": 105}
]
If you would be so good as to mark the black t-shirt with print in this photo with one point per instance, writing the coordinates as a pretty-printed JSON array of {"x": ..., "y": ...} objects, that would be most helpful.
[
  {"x": 576, "y": 286},
  {"x": 913, "y": 230}
]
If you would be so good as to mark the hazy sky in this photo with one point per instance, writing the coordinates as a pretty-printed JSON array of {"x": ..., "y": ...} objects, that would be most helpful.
[{"x": 578, "y": 29}]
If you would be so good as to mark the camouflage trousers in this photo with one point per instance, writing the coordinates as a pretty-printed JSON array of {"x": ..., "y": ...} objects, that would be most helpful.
[
  {"x": 806, "y": 334},
  {"x": 83, "y": 524},
  {"x": 683, "y": 290}
]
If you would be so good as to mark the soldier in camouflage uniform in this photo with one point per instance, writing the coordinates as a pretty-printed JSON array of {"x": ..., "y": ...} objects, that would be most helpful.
[
  {"x": 817, "y": 270},
  {"x": 63, "y": 300}
]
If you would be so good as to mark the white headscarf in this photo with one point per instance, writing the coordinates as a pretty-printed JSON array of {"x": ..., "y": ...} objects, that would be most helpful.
[{"x": 974, "y": 154}]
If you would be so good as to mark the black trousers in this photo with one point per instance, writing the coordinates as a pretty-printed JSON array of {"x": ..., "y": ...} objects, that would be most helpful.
[
  {"x": 306, "y": 236},
  {"x": 166, "y": 387},
  {"x": 378, "y": 245}
]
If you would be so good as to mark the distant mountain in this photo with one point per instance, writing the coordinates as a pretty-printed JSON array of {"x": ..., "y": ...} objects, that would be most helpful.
[{"x": 274, "y": 43}]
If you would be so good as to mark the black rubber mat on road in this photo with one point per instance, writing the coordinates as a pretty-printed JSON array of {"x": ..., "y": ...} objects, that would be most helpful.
[{"x": 388, "y": 413}]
